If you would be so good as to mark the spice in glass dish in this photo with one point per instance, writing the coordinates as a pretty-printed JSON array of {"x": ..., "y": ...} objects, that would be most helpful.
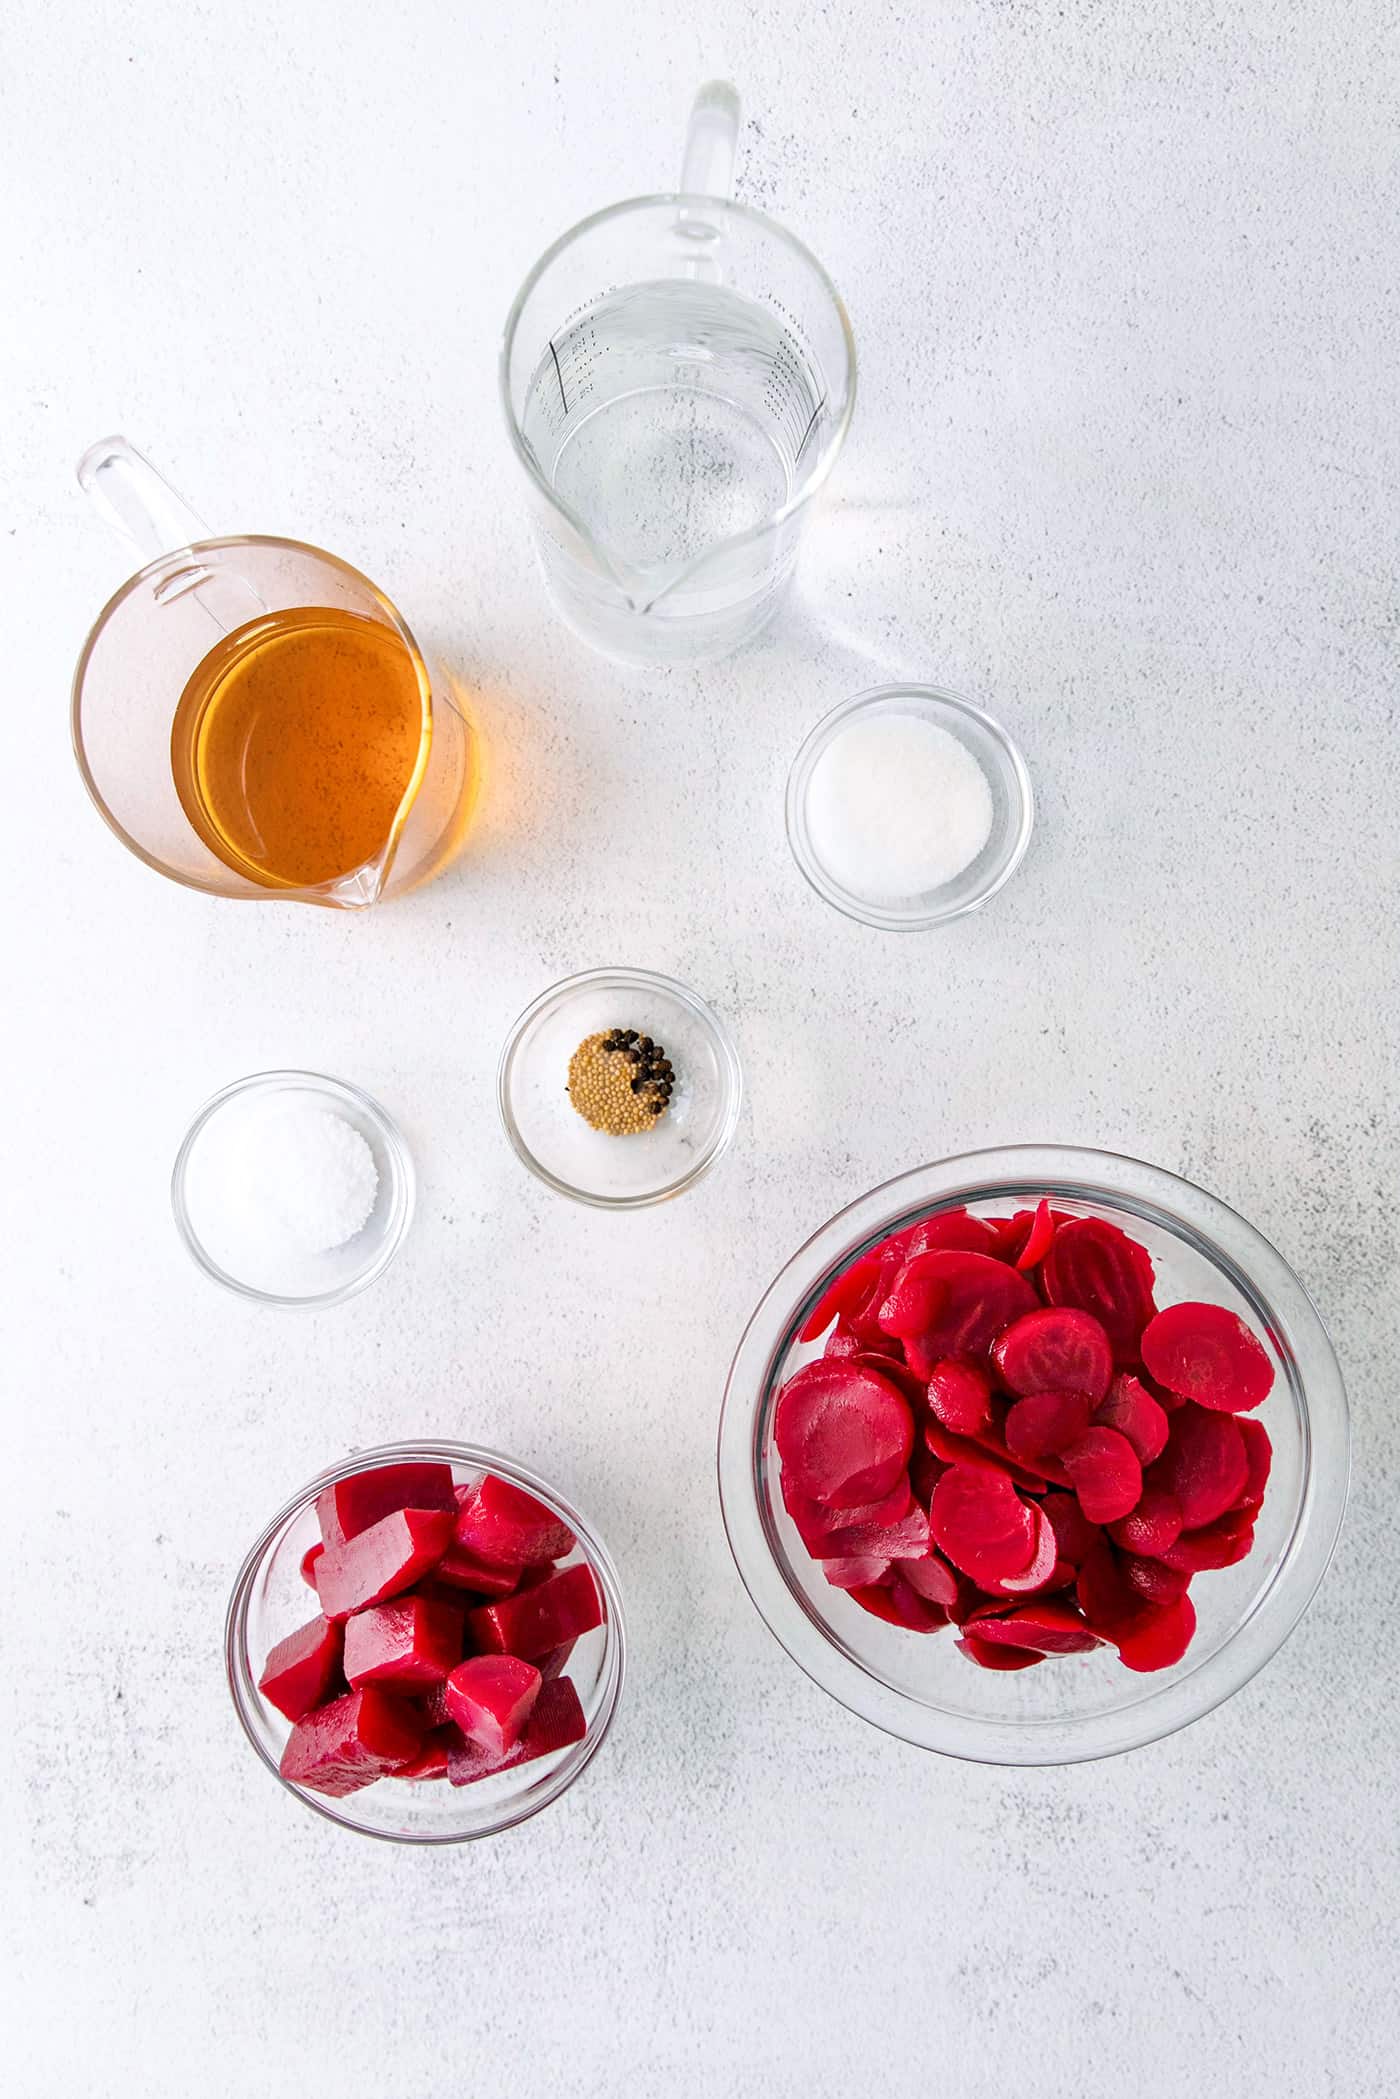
[{"x": 620, "y": 1081}]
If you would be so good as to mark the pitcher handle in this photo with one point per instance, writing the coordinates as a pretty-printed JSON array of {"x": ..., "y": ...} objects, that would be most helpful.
[
  {"x": 711, "y": 142},
  {"x": 136, "y": 501}
]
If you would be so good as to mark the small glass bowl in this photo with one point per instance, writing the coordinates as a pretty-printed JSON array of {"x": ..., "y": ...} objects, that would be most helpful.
[
  {"x": 552, "y": 1138},
  {"x": 1013, "y": 808},
  {"x": 1072, "y": 1708},
  {"x": 270, "y": 1599},
  {"x": 303, "y": 1280}
]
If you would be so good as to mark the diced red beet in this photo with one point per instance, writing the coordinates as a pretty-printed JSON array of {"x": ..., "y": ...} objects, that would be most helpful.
[
  {"x": 556, "y": 1661},
  {"x": 987, "y": 1656},
  {"x": 1075, "y": 1536},
  {"x": 981, "y": 1524},
  {"x": 949, "y": 1303},
  {"x": 403, "y": 1645},
  {"x": 1044, "y": 1628},
  {"x": 843, "y": 1432},
  {"x": 1105, "y": 1474},
  {"x": 379, "y": 1562},
  {"x": 1153, "y": 1580},
  {"x": 501, "y": 1523},
  {"x": 431, "y": 1702},
  {"x": 1042, "y": 1565},
  {"x": 1040, "y": 1237},
  {"x": 529, "y": 1624},
  {"x": 491, "y": 1696},
  {"x": 1105, "y": 1596},
  {"x": 1044, "y": 1424},
  {"x": 301, "y": 1669},
  {"x": 1131, "y": 1409},
  {"x": 308, "y": 1564},
  {"x": 1204, "y": 1464},
  {"x": 1094, "y": 1265},
  {"x": 960, "y": 1396},
  {"x": 1258, "y": 1457},
  {"x": 461, "y": 1569},
  {"x": 431, "y": 1760},
  {"x": 1220, "y": 1544},
  {"x": 339, "y": 1748},
  {"x": 863, "y": 1570},
  {"x": 930, "y": 1577},
  {"x": 1158, "y": 1637},
  {"x": 556, "y": 1723},
  {"x": 1153, "y": 1526},
  {"x": 1208, "y": 1353},
  {"x": 1055, "y": 1349},
  {"x": 956, "y": 1231},
  {"x": 356, "y": 1504}
]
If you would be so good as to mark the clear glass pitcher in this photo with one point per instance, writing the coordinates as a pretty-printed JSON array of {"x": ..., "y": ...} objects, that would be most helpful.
[
  {"x": 678, "y": 376},
  {"x": 199, "y": 596}
]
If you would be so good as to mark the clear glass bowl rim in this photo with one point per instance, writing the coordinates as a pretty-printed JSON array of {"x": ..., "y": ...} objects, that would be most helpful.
[
  {"x": 404, "y": 1187},
  {"x": 732, "y": 1083},
  {"x": 1158, "y": 1708},
  {"x": 890, "y": 919},
  {"x": 472, "y": 1457}
]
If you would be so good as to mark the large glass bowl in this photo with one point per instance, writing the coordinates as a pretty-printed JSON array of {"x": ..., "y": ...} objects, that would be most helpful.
[
  {"x": 1072, "y": 1707},
  {"x": 270, "y": 1599}
]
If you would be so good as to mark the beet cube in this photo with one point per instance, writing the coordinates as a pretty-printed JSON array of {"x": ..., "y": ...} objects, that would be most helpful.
[
  {"x": 556, "y": 1722},
  {"x": 381, "y": 1561},
  {"x": 301, "y": 1669},
  {"x": 529, "y": 1624},
  {"x": 491, "y": 1696},
  {"x": 431, "y": 1761},
  {"x": 556, "y": 1661},
  {"x": 407, "y": 1644},
  {"x": 350, "y": 1743},
  {"x": 461, "y": 1569},
  {"x": 506, "y": 1526},
  {"x": 356, "y": 1504}
]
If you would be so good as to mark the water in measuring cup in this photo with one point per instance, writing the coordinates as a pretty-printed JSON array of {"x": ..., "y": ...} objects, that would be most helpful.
[{"x": 670, "y": 416}]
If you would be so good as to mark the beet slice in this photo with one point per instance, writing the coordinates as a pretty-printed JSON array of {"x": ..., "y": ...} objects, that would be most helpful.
[
  {"x": 913, "y": 1610},
  {"x": 341, "y": 1747},
  {"x": 987, "y": 1656},
  {"x": 1221, "y": 1544},
  {"x": 841, "y": 1294},
  {"x": 950, "y": 1303},
  {"x": 1131, "y": 1409},
  {"x": 1204, "y": 1464},
  {"x": 1153, "y": 1580},
  {"x": 556, "y": 1722},
  {"x": 862, "y": 1570},
  {"x": 1210, "y": 1355},
  {"x": 431, "y": 1760},
  {"x": 894, "y": 1528},
  {"x": 460, "y": 1569},
  {"x": 1075, "y": 1536},
  {"x": 1040, "y": 1237},
  {"x": 956, "y": 1231},
  {"x": 1158, "y": 1637},
  {"x": 1258, "y": 1457},
  {"x": 843, "y": 1432},
  {"x": 530, "y": 1623},
  {"x": 308, "y": 1564},
  {"x": 960, "y": 1396},
  {"x": 1012, "y": 1234},
  {"x": 501, "y": 1523},
  {"x": 1044, "y": 1628},
  {"x": 301, "y": 1669},
  {"x": 1055, "y": 1349},
  {"x": 925, "y": 1471},
  {"x": 1044, "y": 1424},
  {"x": 404, "y": 1645},
  {"x": 490, "y": 1697},
  {"x": 1098, "y": 1268},
  {"x": 379, "y": 1562},
  {"x": 356, "y": 1504},
  {"x": 1153, "y": 1526},
  {"x": 1105, "y": 1473},
  {"x": 1105, "y": 1596},
  {"x": 979, "y": 1456},
  {"x": 979, "y": 1522},
  {"x": 843, "y": 1341},
  {"x": 930, "y": 1577},
  {"x": 1044, "y": 1555}
]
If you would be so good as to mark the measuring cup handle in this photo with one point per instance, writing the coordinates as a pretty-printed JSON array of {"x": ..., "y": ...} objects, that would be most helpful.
[
  {"x": 711, "y": 142},
  {"x": 135, "y": 501}
]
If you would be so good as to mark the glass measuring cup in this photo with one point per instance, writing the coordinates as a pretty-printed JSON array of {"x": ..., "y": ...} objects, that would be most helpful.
[
  {"x": 678, "y": 375},
  {"x": 165, "y": 622}
]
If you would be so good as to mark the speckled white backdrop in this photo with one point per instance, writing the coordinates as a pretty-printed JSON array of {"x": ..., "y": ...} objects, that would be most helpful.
[{"x": 1125, "y": 467}]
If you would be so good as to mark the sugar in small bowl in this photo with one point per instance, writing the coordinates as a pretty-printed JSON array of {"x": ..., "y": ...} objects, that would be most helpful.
[{"x": 907, "y": 806}]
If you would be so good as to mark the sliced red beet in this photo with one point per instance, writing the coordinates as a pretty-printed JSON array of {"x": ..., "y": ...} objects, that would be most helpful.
[
  {"x": 1012, "y": 1234},
  {"x": 431, "y": 1760},
  {"x": 501, "y": 1523},
  {"x": 925, "y": 1471},
  {"x": 403, "y": 1645},
  {"x": 931, "y": 1578},
  {"x": 1204, "y": 1464},
  {"x": 490, "y": 1697},
  {"x": 841, "y": 1295},
  {"x": 1153, "y": 1526},
  {"x": 981, "y": 1524},
  {"x": 956, "y": 1231},
  {"x": 1044, "y": 1424},
  {"x": 843, "y": 1341},
  {"x": 1153, "y": 1580},
  {"x": 892, "y": 1541},
  {"x": 1044, "y": 1555},
  {"x": 898, "y": 1604},
  {"x": 1040, "y": 1237},
  {"x": 863, "y": 1570},
  {"x": 379, "y": 1562},
  {"x": 1221, "y": 1544},
  {"x": 1158, "y": 1637},
  {"x": 1097, "y": 1267},
  {"x": 356, "y": 1504},
  {"x": 350, "y": 1743},
  {"x": 960, "y": 1396},
  {"x": 948, "y": 1303},
  {"x": 1131, "y": 1409},
  {"x": 1075, "y": 1536},
  {"x": 301, "y": 1669},
  {"x": 308, "y": 1564},
  {"x": 1044, "y": 1628},
  {"x": 987, "y": 1656},
  {"x": 460, "y": 1569},
  {"x": 529, "y": 1624},
  {"x": 557, "y": 1722},
  {"x": 1210, "y": 1355},
  {"x": 843, "y": 1432},
  {"x": 1105, "y": 1596},
  {"x": 1055, "y": 1349},
  {"x": 1105, "y": 1474},
  {"x": 1258, "y": 1457},
  {"x": 817, "y": 1524}
]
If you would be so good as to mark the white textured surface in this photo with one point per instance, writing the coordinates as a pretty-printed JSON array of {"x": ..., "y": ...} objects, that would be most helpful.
[{"x": 1124, "y": 467}]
